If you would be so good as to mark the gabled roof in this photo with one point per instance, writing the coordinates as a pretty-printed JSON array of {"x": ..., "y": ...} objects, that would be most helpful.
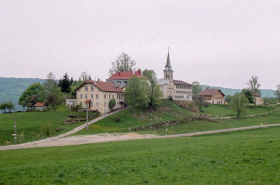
[
  {"x": 126, "y": 75},
  {"x": 39, "y": 104},
  {"x": 256, "y": 94},
  {"x": 180, "y": 82},
  {"x": 103, "y": 86},
  {"x": 210, "y": 92}
]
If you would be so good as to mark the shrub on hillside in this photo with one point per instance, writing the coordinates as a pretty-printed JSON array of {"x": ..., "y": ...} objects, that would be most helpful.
[
  {"x": 117, "y": 119},
  {"x": 47, "y": 130}
]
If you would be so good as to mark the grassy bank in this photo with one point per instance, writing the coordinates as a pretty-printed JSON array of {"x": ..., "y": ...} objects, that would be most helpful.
[
  {"x": 245, "y": 157},
  {"x": 167, "y": 111}
]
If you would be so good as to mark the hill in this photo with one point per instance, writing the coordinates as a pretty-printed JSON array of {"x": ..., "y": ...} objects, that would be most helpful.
[
  {"x": 228, "y": 91},
  {"x": 12, "y": 88}
]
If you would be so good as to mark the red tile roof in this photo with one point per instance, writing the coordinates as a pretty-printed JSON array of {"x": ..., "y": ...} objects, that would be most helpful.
[
  {"x": 39, "y": 104},
  {"x": 210, "y": 92},
  {"x": 104, "y": 86},
  {"x": 180, "y": 82},
  {"x": 126, "y": 75}
]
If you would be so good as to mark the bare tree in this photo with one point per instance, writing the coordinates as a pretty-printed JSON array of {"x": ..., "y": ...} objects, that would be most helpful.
[
  {"x": 122, "y": 63},
  {"x": 254, "y": 85}
]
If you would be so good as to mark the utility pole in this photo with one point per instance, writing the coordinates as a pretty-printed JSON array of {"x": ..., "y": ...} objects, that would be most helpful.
[{"x": 15, "y": 135}]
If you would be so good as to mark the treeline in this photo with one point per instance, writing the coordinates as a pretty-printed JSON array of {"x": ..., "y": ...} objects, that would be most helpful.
[{"x": 12, "y": 88}]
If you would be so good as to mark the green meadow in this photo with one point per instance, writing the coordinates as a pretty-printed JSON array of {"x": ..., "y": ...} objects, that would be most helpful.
[
  {"x": 243, "y": 157},
  {"x": 34, "y": 125}
]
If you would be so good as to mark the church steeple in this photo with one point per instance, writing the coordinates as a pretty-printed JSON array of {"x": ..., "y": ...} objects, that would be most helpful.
[
  {"x": 168, "y": 64},
  {"x": 168, "y": 72}
]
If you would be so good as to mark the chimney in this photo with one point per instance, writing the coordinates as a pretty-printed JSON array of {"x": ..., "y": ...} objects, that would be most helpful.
[
  {"x": 98, "y": 79},
  {"x": 139, "y": 71}
]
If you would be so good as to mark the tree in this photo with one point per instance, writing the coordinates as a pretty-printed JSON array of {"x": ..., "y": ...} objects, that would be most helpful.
[
  {"x": 135, "y": 93},
  {"x": 238, "y": 103},
  {"x": 7, "y": 106},
  {"x": 228, "y": 98},
  {"x": 65, "y": 85},
  {"x": 277, "y": 92},
  {"x": 196, "y": 88},
  {"x": 254, "y": 85},
  {"x": 201, "y": 103},
  {"x": 123, "y": 62},
  {"x": 34, "y": 93},
  {"x": 248, "y": 93},
  {"x": 112, "y": 104},
  {"x": 52, "y": 91},
  {"x": 84, "y": 77},
  {"x": 154, "y": 92}
]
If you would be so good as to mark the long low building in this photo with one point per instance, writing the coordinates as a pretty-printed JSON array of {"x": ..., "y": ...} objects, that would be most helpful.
[
  {"x": 213, "y": 96},
  {"x": 97, "y": 94}
]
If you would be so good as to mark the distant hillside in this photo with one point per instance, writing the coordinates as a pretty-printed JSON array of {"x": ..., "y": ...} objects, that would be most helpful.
[
  {"x": 12, "y": 88},
  {"x": 227, "y": 91}
]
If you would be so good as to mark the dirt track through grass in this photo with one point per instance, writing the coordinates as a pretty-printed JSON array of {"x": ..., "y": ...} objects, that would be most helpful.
[{"x": 77, "y": 140}]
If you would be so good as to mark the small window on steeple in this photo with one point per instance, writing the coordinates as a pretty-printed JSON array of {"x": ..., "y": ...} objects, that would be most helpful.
[{"x": 167, "y": 76}]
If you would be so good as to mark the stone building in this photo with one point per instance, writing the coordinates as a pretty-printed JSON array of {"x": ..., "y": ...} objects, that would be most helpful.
[
  {"x": 257, "y": 98},
  {"x": 97, "y": 94},
  {"x": 177, "y": 89}
]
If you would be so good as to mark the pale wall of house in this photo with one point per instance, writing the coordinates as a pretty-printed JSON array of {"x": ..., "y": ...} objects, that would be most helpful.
[
  {"x": 258, "y": 100},
  {"x": 99, "y": 99}
]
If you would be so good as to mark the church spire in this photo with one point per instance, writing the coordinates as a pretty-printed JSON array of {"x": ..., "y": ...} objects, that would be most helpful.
[{"x": 168, "y": 64}]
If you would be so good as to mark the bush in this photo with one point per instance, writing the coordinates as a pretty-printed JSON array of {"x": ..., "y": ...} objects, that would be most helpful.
[
  {"x": 170, "y": 98},
  {"x": 117, "y": 119},
  {"x": 47, "y": 130}
]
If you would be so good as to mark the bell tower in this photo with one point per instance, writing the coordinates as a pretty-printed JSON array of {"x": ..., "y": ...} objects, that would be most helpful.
[{"x": 168, "y": 72}]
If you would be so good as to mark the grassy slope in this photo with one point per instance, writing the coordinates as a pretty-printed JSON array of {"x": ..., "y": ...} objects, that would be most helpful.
[
  {"x": 168, "y": 111},
  {"x": 245, "y": 157},
  {"x": 30, "y": 125},
  {"x": 225, "y": 110}
]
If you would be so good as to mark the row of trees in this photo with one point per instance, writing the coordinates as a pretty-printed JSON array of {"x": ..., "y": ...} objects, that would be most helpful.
[{"x": 51, "y": 92}]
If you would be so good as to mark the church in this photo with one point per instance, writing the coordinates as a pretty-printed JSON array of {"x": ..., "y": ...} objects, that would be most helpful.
[{"x": 177, "y": 89}]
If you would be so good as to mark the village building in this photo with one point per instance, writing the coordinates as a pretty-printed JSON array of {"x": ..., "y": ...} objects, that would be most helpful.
[
  {"x": 96, "y": 95},
  {"x": 257, "y": 98},
  {"x": 177, "y": 89},
  {"x": 121, "y": 78},
  {"x": 213, "y": 96},
  {"x": 40, "y": 106}
]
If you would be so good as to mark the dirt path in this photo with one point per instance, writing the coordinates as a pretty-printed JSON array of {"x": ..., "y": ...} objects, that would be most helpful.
[{"x": 77, "y": 140}]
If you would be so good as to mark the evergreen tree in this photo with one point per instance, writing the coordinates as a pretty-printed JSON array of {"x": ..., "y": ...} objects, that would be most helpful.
[{"x": 65, "y": 84}]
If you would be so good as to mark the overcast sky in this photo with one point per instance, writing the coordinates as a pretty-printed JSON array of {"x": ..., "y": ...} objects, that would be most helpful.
[{"x": 218, "y": 43}]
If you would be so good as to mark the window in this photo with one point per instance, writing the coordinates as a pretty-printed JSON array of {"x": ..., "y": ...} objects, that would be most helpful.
[
  {"x": 104, "y": 104},
  {"x": 91, "y": 88},
  {"x": 118, "y": 82},
  {"x": 81, "y": 96},
  {"x": 85, "y": 96},
  {"x": 91, "y": 104},
  {"x": 96, "y": 104},
  {"x": 86, "y": 88},
  {"x": 105, "y": 96},
  {"x": 96, "y": 96},
  {"x": 91, "y": 96},
  {"x": 109, "y": 97}
]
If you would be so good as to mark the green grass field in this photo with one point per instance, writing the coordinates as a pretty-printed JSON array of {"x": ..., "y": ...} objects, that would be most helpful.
[
  {"x": 31, "y": 125},
  {"x": 244, "y": 157},
  {"x": 226, "y": 110}
]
